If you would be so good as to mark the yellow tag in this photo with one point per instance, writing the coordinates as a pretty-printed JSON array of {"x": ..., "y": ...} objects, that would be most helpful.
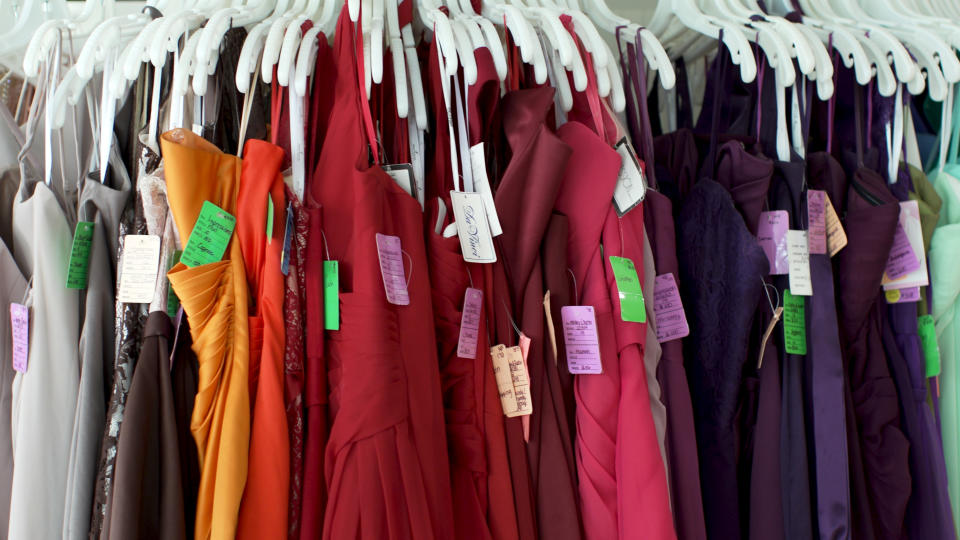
[
  {"x": 893, "y": 295},
  {"x": 836, "y": 236}
]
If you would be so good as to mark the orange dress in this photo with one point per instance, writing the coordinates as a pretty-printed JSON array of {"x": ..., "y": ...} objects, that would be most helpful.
[
  {"x": 263, "y": 512},
  {"x": 214, "y": 297}
]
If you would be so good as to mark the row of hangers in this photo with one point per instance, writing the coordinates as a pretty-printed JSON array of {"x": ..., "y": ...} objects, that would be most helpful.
[{"x": 908, "y": 44}]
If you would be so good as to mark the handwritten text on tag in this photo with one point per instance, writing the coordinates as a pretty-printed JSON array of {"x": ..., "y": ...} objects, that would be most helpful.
[
  {"x": 581, "y": 340},
  {"x": 470, "y": 323},
  {"x": 20, "y": 324},
  {"x": 391, "y": 269}
]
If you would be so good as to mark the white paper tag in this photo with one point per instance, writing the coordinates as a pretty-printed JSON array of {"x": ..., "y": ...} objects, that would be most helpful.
[
  {"x": 798, "y": 254},
  {"x": 631, "y": 184},
  {"x": 298, "y": 156},
  {"x": 138, "y": 269},
  {"x": 475, "y": 240},
  {"x": 402, "y": 174},
  {"x": 482, "y": 185}
]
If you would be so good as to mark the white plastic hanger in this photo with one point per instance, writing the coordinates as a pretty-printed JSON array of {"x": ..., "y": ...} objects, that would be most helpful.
[
  {"x": 44, "y": 37},
  {"x": 522, "y": 32},
  {"x": 653, "y": 51},
  {"x": 734, "y": 38},
  {"x": 306, "y": 60},
  {"x": 32, "y": 15},
  {"x": 251, "y": 52},
  {"x": 211, "y": 36}
]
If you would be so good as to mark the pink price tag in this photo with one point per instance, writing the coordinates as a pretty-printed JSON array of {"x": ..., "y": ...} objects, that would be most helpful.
[
  {"x": 20, "y": 324},
  {"x": 391, "y": 269},
  {"x": 817, "y": 220},
  {"x": 470, "y": 323},
  {"x": 772, "y": 235},
  {"x": 902, "y": 260},
  {"x": 668, "y": 309},
  {"x": 582, "y": 342}
]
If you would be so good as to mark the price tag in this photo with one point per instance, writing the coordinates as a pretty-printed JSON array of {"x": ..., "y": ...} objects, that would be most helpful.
[
  {"x": 581, "y": 339},
  {"x": 269, "y": 218},
  {"x": 899, "y": 296},
  {"x": 210, "y": 237},
  {"x": 794, "y": 323},
  {"x": 816, "y": 220},
  {"x": 470, "y": 323},
  {"x": 907, "y": 262},
  {"x": 402, "y": 174},
  {"x": 79, "y": 265},
  {"x": 668, "y": 309},
  {"x": 482, "y": 186},
  {"x": 512, "y": 381},
  {"x": 173, "y": 302},
  {"x": 799, "y": 254},
  {"x": 631, "y": 185},
  {"x": 20, "y": 325},
  {"x": 138, "y": 268},
  {"x": 476, "y": 244},
  {"x": 391, "y": 269},
  {"x": 772, "y": 235},
  {"x": 928, "y": 340},
  {"x": 836, "y": 236},
  {"x": 632, "y": 306},
  {"x": 331, "y": 295},
  {"x": 287, "y": 241}
]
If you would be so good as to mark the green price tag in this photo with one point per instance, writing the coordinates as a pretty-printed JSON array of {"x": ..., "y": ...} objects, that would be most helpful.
[
  {"x": 794, "y": 323},
  {"x": 173, "y": 302},
  {"x": 928, "y": 340},
  {"x": 331, "y": 295},
  {"x": 210, "y": 237},
  {"x": 269, "y": 218},
  {"x": 79, "y": 266},
  {"x": 632, "y": 307}
]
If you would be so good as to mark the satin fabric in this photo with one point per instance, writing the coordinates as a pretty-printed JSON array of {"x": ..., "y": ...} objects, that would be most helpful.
[
  {"x": 681, "y": 443},
  {"x": 386, "y": 460},
  {"x": 263, "y": 510},
  {"x": 101, "y": 204},
  {"x": 148, "y": 501},
  {"x": 877, "y": 448},
  {"x": 945, "y": 293},
  {"x": 826, "y": 374},
  {"x": 214, "y": 297},
  {"x": 45, "y": 396}
]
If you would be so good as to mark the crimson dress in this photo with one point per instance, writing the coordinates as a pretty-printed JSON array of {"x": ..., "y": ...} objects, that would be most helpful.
[{"x": 386, "y": 462}]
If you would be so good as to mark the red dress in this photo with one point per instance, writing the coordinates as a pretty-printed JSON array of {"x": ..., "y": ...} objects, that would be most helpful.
[{"x": 386, "y": 459}]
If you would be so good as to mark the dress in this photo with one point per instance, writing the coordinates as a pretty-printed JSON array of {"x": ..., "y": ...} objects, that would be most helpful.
[
  {"x": 264, "y": 509},
  {"x": 386, "y": 460},
  {"x": 45, "y": 396},
  {"x": 214, "y": 298}
]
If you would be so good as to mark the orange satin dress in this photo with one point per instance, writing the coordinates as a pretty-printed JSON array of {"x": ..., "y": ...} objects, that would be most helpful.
[
  {"x": 263, "y": 512},
  {"x": 214, "y": 297}
]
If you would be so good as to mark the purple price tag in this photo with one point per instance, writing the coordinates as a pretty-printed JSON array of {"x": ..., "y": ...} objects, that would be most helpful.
[
  {"x": 470, "y": 323},
  {"x": 391, "y": 269},
  {"x": 668, "y": 309},
  {"x": 817, "y": 220},
  {"x": 580, "y": 336},
  {"x": 20, "y": 324},
  {"x": 772, "y": 235},
  {"x": 902, "y": 260}
]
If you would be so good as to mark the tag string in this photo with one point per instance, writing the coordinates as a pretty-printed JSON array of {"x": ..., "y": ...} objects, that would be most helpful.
[
  {"x": 407, "y": 255},
  {"x": 576, "y": 292},
  {"x": 510, "y": 318}
]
